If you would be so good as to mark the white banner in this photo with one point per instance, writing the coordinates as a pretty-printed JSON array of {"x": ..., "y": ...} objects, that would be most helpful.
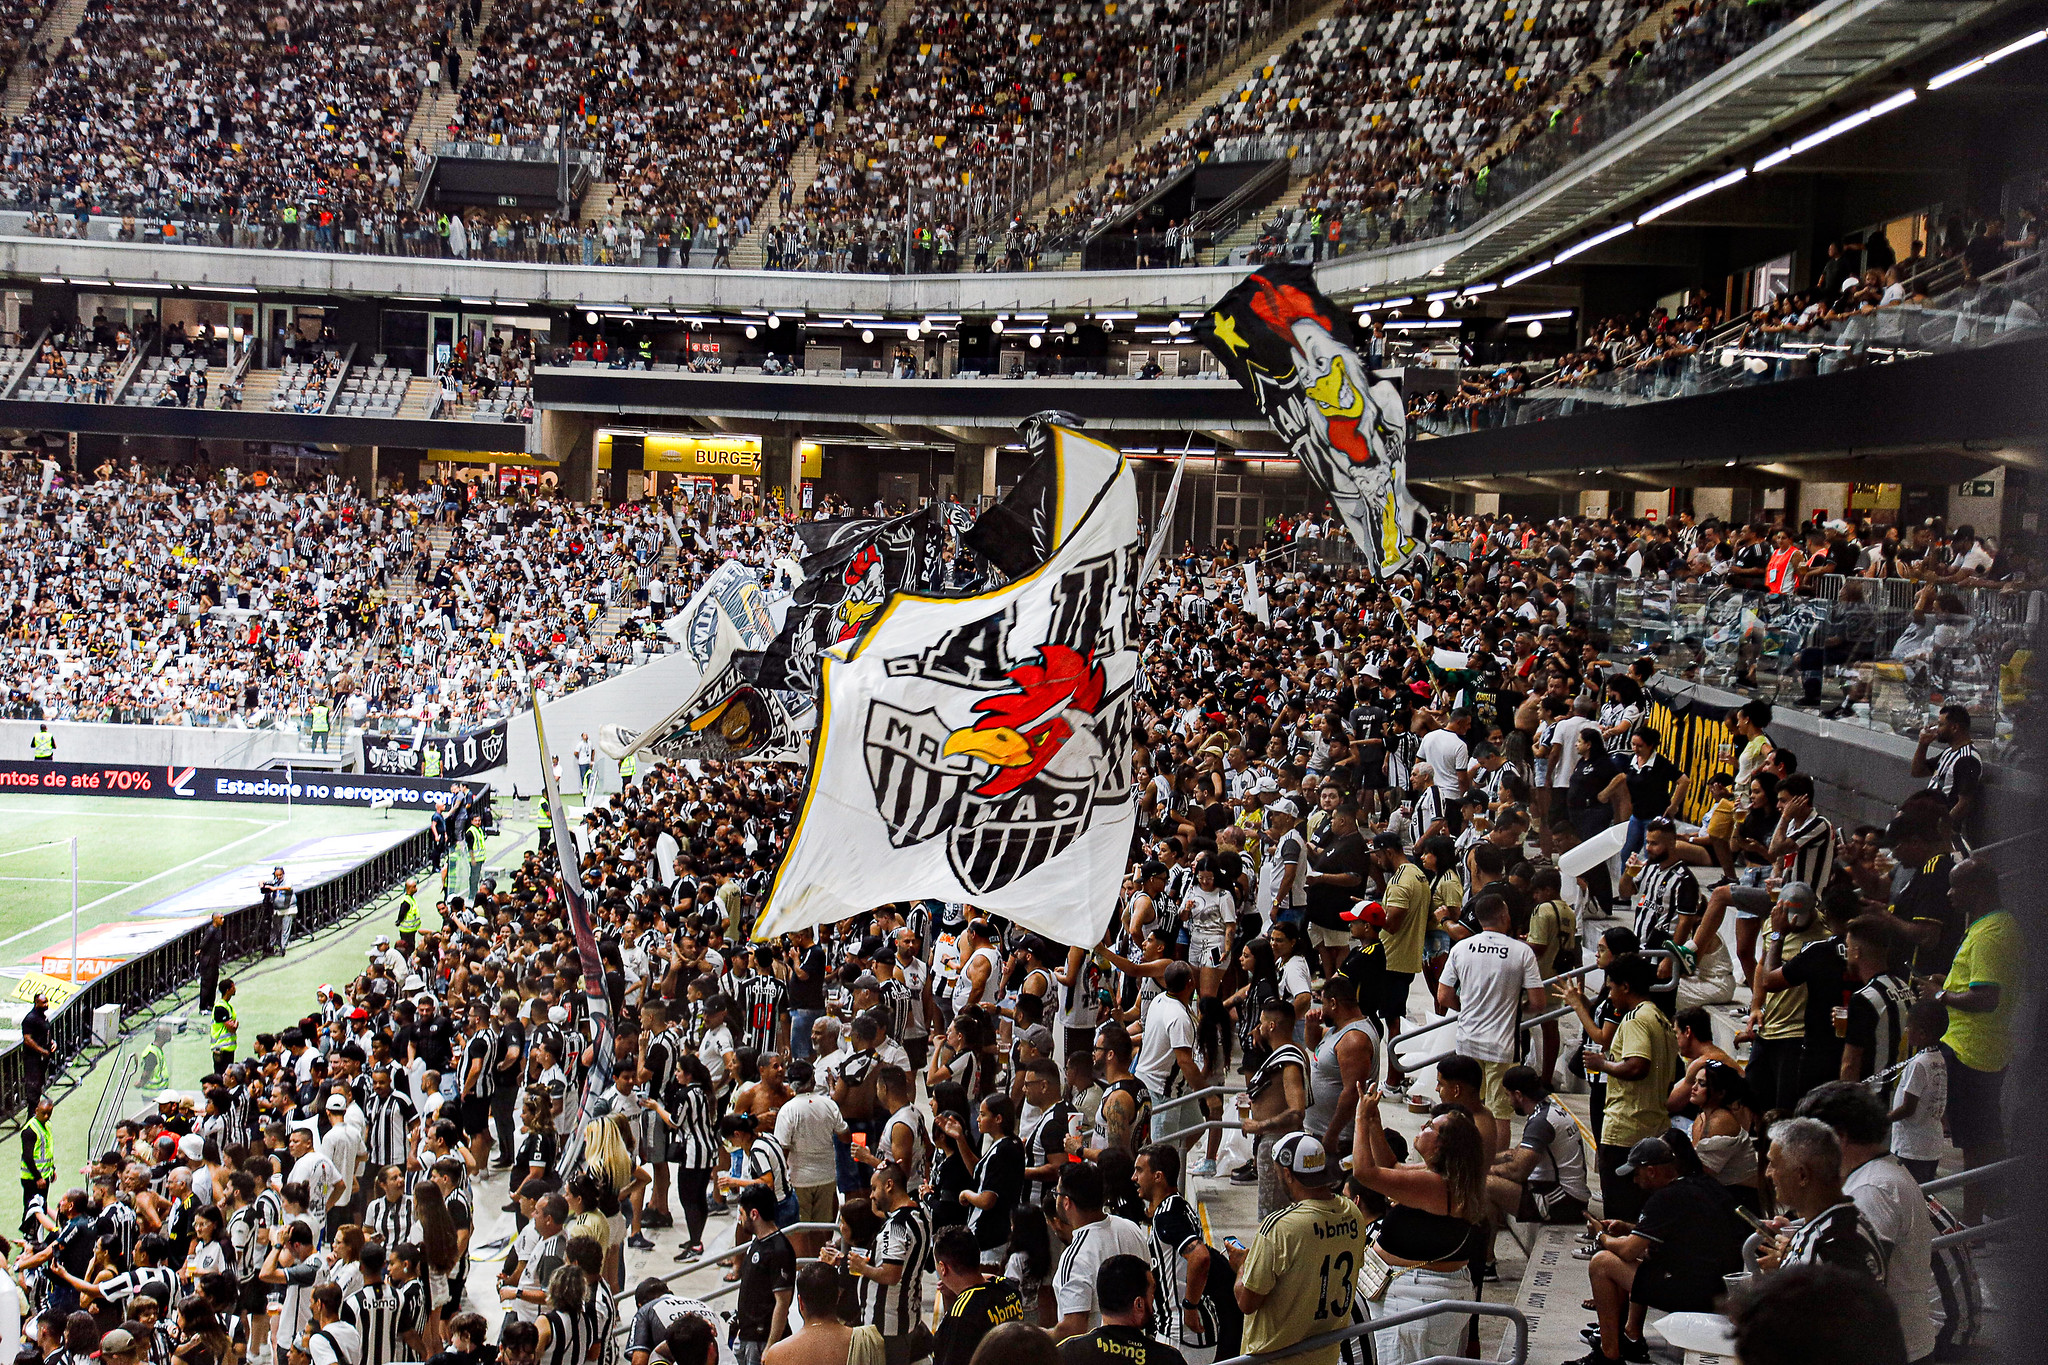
[{"x": 978, "y": 749}]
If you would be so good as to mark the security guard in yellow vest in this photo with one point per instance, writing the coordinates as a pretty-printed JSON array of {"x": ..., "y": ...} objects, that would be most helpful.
[
  {"x": 544, "y": 817},
  {"x": 319, "y": 726},
  {"x": 474, "y": 838},
  {"x": 43, "y": 744},
  {"x": 628, "y": 766},
  {"x": 153, "y": 1075},
  {"x": 408, "y": 916},
  {"x": 226, "y": 1023},
  {"x": 38, "y": 1154}
]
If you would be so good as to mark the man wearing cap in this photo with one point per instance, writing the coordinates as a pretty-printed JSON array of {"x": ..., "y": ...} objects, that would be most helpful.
[
  {"x": 392, "y": 959},
  {"x": 1671, "y": 1257},
  {"x": 122, "y": 1346},
  {"x": 1281, "y": 890},
  {"x": 1295, "y": 1279}
]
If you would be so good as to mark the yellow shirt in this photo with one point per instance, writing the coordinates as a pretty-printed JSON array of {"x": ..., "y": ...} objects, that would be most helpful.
[
  {"x": 1407, "y": 888},
  {"x": 1785, "y": 1011},
  {"x": 1992, "y": 954},
  {"x": 1635, "y": 1109},
  {"x": 1550, "y": 924},
  {"x": 1720, "y": 820},
  {"x": 1305, "y": 1261}
]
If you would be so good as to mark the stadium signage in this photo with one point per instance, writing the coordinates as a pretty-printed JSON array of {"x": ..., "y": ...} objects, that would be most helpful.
[
  {"x": 227, "y": 784},
  {"x": 463, "y": 755}
]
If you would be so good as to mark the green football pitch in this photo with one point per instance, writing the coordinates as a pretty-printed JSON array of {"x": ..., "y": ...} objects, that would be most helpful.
[{"x": 149, "y": 870}]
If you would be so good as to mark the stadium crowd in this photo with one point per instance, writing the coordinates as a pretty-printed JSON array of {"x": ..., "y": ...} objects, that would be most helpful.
[
  {"x": 1344, "y": 833},
  {"x": 209, "y": 594}
]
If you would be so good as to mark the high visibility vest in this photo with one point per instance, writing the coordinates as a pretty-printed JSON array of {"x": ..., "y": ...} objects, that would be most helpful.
[
  {"x": 155, "y": 1075},
  {"x": 475, "y": 838},
  {"x": 1778, "y": 574},
  {"x": 409, "y": 914},
  {"x": 319, "y": 720},
  {"x": 627, "y": 767},
  {"x": 224, "y": 1033},
  {"x": 546, "y": 819},
  {"x": 43, "y": 745},
  {"x": 430, "y": 762},
  {"x": 42, "y": 1165}
]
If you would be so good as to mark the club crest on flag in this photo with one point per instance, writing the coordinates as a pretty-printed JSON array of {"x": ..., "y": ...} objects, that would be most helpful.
[{"x": 978, "y": 747}]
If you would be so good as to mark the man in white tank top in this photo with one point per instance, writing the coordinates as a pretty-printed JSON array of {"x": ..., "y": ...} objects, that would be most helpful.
[{"x": 981, "y": 968}]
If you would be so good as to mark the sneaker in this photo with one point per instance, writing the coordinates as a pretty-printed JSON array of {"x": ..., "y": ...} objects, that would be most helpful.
[
  {"x": 639, "y": 1243},
  {"x": 656, "y": 1218},
  {"x": 1204, "y": 1167},
  {"x": 1595, "y": 1357},
  {"x": 1395, "y": 1090},
  {"x": 1247, "y": 1174}
]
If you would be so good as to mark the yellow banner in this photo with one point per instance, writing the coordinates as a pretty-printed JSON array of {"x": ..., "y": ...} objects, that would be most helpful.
[
  {"x": 671, "y": 452},
  {"x": 36, "y": 983},
  {"x": 518, "y": 457}
]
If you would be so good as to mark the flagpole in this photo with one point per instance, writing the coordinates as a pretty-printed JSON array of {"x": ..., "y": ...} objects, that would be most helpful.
[{"x": 74, "y": 912}]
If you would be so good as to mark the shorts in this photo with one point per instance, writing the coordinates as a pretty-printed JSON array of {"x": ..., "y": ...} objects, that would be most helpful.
[
  {"x": 476, "y": 1116},
  {"x": 251, "y": 1298},
  {"x": 748, "y": 1352},
  {"x": 1492, "y": 1093},
  {"x": 1394, "y": 987},
  {"x": 817, "y": 1203},
  {"x": 1657, "y": 1288},
  {"x": 1544, "y": 1201},
  {"x": 1206, "y": 950},
  {"x": 1976, "y": 1115},
  {"x": 1750, "y": 902},
  {"x": 1339, "y": 937}
]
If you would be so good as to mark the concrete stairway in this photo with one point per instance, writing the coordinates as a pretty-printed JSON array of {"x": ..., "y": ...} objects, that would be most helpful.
[
  {"x": 1645, "y": 29},
  {"x": 597, "y": 202},
  {"x": 1248, "y": 231},
  {"x": 1183, "y": 110},
  {"x": 749, "y": 253},
  {"x": 430, "y": 117},
  {"x": 59, "y": 23},
  {"x": 258, "y": 387},
  {"x": 419, "y": 397}
]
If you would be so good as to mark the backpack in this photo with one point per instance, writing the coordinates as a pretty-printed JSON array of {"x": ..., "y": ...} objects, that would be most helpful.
[{"x": 1571, "y": 949}]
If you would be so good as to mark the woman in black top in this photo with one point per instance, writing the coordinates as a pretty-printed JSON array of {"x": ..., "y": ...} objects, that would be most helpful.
[
  {"x": 998, "y": 1175},
  {"x": 1431, "y": 1233},
  {"x": 951, "y": 1171},
  {"x": 1261, "y": 984},
  {"x": 1596, "y": 797},
  {"x": 539, "y": 1144}
]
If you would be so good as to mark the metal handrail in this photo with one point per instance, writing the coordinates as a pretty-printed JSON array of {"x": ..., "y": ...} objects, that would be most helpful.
[
  {"x": 1976, "y": 1232},
  {"x": 1179, "y": 1100},
  {"x": 1518, "y": 1322},
  {"x": 1974, "y": 1174},
  {"x": 1526, "y": 1024}
]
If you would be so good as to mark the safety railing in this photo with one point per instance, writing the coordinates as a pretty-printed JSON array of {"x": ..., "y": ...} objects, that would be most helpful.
[
  {"x": 1526, "y": 1025},
  {"x": 1518, "y": 1353},
  {"x": 252, "y": 931},
  {"x": 732, "y": 1253},
  {"x": 1975, "y": 1232}
]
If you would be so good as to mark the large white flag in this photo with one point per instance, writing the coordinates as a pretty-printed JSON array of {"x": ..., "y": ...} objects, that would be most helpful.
[{"x": 978, "y": 749}]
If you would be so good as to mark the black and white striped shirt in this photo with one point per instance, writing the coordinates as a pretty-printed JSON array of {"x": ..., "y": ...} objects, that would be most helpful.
[
  {"x": 570, "y": 1336},
  {"x": 373, "y": 1311},
  {"x": 1429, "y": 808},
  {"x": 390, "y": 1121},
  {"x": 1957, "y": 773},
  {"x": 1665, "y": 894},
  {"x": 602, "y": 1310},
  {"x": 762, "y": 1001},
  {"x": 413, "y": 1306},
  {"x": 695, "y": 1130},
  {"x": 390, "y": 1221},
  {"x": 1813, "y": 860},
  {"x": 1877, "y": 1024},
  {"x": 1841, "y": 1235},
  {"x": 1048, "y": 1137},
  {"x": 765, "y": 1158},
  {"x": 1274, "y": 1067},
  {"x": 894, "y": 1310}
]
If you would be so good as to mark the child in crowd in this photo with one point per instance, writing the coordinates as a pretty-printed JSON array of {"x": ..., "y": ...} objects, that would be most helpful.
[{"x": 1922, "y": 1094}]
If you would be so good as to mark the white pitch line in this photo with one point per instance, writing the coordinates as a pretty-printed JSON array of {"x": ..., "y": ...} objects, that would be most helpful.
[
  {"x": 82, "y": 881},
  {"x": 135, "y": 815},
  {"x": 115, "y": 895}
]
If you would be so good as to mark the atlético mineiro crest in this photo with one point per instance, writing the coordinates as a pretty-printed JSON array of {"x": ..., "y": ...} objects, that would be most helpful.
[{"x": 1011, "y": 766}]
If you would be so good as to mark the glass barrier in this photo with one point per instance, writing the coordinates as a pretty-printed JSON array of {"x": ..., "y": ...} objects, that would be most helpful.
[
  {"x": 2005, "y": 306},
  {"x": 1884, "y": 653}
]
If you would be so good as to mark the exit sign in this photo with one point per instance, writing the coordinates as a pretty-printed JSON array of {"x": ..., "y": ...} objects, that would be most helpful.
[{"x": 1978, "y": 488}]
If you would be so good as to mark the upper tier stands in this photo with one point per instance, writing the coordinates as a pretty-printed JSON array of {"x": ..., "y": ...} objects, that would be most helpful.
[
  {"x": 172, "y": 108},
  {"x": 696, "y": 106}
]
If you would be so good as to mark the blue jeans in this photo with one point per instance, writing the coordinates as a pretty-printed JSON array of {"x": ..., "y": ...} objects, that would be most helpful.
[
  {"x": 800, "y": 1022},
  {"x": 1637, "y": 826}
]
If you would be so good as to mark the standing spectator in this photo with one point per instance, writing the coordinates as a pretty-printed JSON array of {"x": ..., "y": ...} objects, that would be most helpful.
[
  {"x": 1197, "y": 1297},
  {"x": 1640, "y": 1066},
  {"x": 808, "y": 1128},
  {"x": 1430, "y": 1233},
  {"x": 1296, "y": 1277},
  {"x": 890, "y": 1276},
  {"x": 1878, "y": 1004},
  {"x": 767, "y": 1278},
  {"x": 1166, "y": 1063},
  {"x": 1488, "y": 980},
  {"x": 1982, "y": 994},
  {"x": 972, "y": 1301},
  {"x": 1093, "y": 1237},
  {"x": 1957, "y": 774},
  {"x": 1124, "y": 1288},
  {"x": 1277, "y": 1094},
  {"x": 1920, "y": 1099},
  {"x": 1888, "y": 1195}
]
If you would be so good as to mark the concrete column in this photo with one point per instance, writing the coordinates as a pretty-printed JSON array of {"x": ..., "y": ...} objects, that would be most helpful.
[
  {"x": 570, "y": 438},
  {"x": 781, "y": 472},
  {"x": 974, "y": 472},
  {"x": 360, "y": 463}
]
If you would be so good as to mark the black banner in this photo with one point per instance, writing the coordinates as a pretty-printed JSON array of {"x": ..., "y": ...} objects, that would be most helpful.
[
  {"x": 463, "y": 755},
  {"x": 850, "y": 568},
  {"x": 304, "y": 788}
]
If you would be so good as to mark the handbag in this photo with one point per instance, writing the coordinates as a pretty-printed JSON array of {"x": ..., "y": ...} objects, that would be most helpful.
[{"x": 1374, "y": 1275}]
